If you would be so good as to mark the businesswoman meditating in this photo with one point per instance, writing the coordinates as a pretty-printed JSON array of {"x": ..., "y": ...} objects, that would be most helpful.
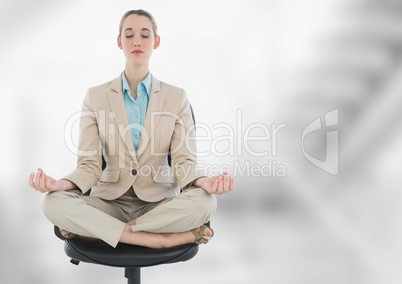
[{"x": 133, "y": 122}]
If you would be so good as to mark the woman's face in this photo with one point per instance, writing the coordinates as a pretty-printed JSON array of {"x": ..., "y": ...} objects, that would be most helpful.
[{"x": 137, "y": 39}]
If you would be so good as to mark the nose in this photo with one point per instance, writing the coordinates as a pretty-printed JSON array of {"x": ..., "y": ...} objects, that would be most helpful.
[{"x": 136, "y": 42}]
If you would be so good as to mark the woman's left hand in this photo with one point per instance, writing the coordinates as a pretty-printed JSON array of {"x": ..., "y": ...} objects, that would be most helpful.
[{"x": 216, "y": 185}]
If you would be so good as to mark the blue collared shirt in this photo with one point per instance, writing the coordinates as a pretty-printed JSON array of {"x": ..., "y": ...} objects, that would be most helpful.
[{"x": 136, "y": 109}]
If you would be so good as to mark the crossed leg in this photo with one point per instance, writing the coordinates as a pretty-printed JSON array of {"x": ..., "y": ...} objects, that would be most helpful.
[
  {"x": 93, "y": 217},
  {"x": 157, "y": 240},
  {"x": 161, "y": 240}
]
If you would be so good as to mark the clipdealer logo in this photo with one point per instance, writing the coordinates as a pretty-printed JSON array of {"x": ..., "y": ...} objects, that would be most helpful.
[
  {"x": 331, "y": 162},
  {"x": 257, "y": 140}
]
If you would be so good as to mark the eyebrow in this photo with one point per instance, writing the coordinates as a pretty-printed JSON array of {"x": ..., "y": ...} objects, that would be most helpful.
[{"x": 143, "y": 29}]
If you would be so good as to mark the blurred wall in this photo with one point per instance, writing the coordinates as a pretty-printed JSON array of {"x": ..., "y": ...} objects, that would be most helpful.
[{"x": 249, "y": 67}]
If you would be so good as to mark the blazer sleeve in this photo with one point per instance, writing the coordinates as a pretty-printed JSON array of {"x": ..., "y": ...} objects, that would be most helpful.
[
  {"x": 183, "y": 146},
  {"x": 89, "y": 155}
]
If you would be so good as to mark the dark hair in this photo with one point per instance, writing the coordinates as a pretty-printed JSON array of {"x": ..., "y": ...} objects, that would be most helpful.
[{"x": 139, "y": 12}]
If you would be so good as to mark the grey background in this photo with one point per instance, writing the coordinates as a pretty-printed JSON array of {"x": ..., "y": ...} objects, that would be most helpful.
[{"x": 287, "y": 61}]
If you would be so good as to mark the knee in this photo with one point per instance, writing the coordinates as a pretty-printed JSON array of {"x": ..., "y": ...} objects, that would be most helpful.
[
  {"x": 53, "y": 205},
  {"x": 205, "y": 204},
  {"x": 50, "y": 204}
]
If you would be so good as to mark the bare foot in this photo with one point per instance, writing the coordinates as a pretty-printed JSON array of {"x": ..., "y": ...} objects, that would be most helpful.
[
  {"x": 67, "y": 234},
  {"x": 131, "y": 223},
  {"x": 202, "y": 234},
  {"x": 165, "y": 240}
]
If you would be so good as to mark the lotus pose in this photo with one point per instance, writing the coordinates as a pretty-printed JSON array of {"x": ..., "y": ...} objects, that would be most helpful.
[{"x": 132, "y": 124}]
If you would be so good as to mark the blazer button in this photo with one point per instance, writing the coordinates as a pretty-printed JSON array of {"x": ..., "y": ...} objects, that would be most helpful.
[{"x": 133, "y": 172}]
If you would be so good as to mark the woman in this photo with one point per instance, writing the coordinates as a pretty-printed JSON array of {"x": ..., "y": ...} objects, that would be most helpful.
[{"x": 133, "y": 122}]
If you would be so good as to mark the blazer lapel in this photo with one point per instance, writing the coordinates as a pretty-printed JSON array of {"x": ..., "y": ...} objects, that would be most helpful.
[
  {"x": 155, "y": 107},
  {"x": 116, "y": 100}
]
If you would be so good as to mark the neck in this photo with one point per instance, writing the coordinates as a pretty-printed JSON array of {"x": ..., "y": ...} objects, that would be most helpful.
[{"x": 135, "y": 74}]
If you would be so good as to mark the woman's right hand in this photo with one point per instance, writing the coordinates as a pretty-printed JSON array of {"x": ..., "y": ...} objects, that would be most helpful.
[{"x": 44, "y": 183}]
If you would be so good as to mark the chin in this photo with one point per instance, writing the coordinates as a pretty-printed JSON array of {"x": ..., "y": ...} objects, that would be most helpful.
[{"x": 137, "y": 62}]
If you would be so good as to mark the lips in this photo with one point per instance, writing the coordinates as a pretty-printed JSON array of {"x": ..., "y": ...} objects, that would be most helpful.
[{"x": 137, "y": 51}]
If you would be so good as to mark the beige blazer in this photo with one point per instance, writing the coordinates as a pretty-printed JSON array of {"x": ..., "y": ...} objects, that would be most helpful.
[{"x": 104, "y": 130}]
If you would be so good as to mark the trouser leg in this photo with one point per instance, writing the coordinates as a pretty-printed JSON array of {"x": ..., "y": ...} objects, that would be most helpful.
[
  {"x": 85, "y": 215},
  {"x": 190, "y": 209}
]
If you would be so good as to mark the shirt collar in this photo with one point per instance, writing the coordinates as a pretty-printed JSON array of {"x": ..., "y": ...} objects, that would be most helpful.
[{"x": 147, "y": 83}]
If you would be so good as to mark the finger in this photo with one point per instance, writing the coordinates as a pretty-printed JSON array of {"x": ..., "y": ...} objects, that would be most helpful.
[
  {"x": 42, "y": 182},
  {"x": 226, "y": 183},
  {"x": 31, "y": 180},
  {"x": 231, "y": 183},
  {"x": 37, "y": 178},
  {"x": 219, "y": 190}
]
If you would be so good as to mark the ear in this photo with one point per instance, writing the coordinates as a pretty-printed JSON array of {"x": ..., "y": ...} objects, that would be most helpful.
[
  {"x": 119, "y": 42},
  {"x": 157, "y": 42}
]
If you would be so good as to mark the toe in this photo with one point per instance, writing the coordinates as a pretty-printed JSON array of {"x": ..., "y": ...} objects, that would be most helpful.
[{"x": 208, "y": 233}]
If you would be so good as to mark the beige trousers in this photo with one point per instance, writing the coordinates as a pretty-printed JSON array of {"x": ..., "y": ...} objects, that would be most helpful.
[{"x": 105, "y": 219}]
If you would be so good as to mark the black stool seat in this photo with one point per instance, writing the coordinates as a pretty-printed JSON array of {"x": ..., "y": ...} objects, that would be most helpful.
[
  {"x": 131, "y": 257},
  {"x": 98, "y": 252}
]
